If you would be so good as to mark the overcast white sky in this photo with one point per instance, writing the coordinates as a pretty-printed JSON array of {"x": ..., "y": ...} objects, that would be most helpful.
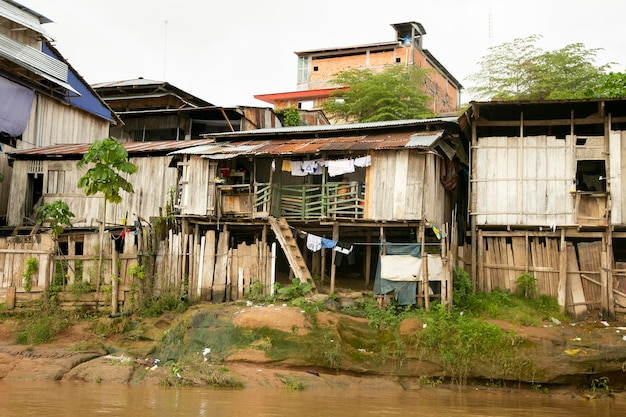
[{"x": 225, "y": 52}]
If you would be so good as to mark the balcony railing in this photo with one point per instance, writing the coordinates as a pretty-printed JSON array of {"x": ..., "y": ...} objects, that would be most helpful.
[{"x": 332, "y": 200}]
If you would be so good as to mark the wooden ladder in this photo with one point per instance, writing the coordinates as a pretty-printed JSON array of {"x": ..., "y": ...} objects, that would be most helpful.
[{"x": 292, "y": 251}]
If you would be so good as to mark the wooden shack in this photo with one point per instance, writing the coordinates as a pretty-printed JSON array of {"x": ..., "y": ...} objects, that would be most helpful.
[
  {"x": 363, "y": 184},
  {"x": 547, "y": 199}
]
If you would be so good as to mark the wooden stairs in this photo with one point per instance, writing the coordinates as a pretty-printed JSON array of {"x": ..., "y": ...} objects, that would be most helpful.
[{"x": 287, "y": 241}]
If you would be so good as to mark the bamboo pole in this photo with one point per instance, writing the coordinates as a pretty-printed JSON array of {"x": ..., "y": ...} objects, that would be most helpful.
[
  {"x": 114, "y": 283},
  {"x": 334, "y": 256}
]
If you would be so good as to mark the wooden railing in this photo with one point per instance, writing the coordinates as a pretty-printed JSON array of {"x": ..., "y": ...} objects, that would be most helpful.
[
  {"x": 262, "y": 194},
  {"x": 343, "y": 200},
  {"x": 301, "y": 202},
  {"x": 332, "y": 200}
]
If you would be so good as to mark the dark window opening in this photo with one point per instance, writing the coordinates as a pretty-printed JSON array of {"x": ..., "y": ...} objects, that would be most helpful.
[
  {"x": 63, "y": 248},
  {"x": 581, "y": 141},
  {"x": 34, "y": 194},
  {"x": 591, "y": 176},
  {"x": 78, "y": 263},
  {"x": 398, "y": 60},
  {"x": 315, "y": 68}
]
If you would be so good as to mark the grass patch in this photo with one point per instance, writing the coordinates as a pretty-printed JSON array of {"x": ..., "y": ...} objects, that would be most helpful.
[
  {"x": 193, "y": 373},
  {"x": 41, "y": 329}
]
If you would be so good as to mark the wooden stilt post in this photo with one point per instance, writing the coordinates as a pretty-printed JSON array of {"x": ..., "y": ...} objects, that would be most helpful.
[
  {"x": 333, "y": 268},
  {"x": 114, "y": 282},
  {"x": 562, "y": 287},
  {"x": 368, "y": 258},
  {"x": 423, "y": 292}
]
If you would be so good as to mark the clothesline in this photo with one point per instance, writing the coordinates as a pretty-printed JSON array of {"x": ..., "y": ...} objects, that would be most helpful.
[{"x": 335, "y": 167}]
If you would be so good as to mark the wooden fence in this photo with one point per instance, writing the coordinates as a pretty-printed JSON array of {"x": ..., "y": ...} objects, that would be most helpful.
[
  {"x": 201, "y": 268},
  {"x": 209, "y": 268},
  {"x": 574, "y": 271}
]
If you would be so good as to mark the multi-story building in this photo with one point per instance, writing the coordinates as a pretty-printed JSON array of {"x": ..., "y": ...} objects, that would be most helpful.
[{"x": 317, "y": 68}]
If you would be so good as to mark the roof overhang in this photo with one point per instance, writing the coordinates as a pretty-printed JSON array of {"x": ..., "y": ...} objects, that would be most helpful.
[
  {"x": 36, "y": 62},
  {"x": 297, "y": 95}
]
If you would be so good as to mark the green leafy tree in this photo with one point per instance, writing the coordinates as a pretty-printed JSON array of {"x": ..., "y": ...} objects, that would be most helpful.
[
  {"x": 57, "y": 214},
  {"x": 610, "y": 85},
  {"x": 290, "y": 116},
  {"x": 109, "y": 160},
  {"x": 394, "y": 94},
  {"x": 520, "y": 70}
]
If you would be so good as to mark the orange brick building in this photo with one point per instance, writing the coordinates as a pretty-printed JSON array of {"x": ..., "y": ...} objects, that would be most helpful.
[{"x": 316, "y": 68}]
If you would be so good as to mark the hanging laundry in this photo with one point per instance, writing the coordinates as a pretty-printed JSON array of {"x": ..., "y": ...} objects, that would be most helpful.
[
  {"x": 400, "y": 267},
  {"x": 313, "y": 167},
  {"x": 340, "y": 167},
  {"x": 343, "y": 248},
  {"x": 344, "y": 253},
  {"x": 328, "y": 243},
  {"x": 313, "y": 242},
  {"x": 296, "y": 169},
  {"x": 286, "y": 166},
  {"x": 437, "y": 232},
  {"x": 435, "y": 229},
  {"x": 363, "y": 161}
]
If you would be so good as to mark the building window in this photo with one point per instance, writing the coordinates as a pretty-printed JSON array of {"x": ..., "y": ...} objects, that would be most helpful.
[
  {"x": 303, "y": 69},
  {"x": 305, "y": 105},
  {"x": 315, "y": 68},
  {"x": 398, "y": 60},
  {"x": 591, "y": 176}
]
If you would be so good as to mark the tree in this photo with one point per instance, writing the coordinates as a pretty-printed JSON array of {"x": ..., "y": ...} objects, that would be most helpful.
[
  {"x": 394, "y": 94},
  {"x": 289, "y": 116},
  {"x": 520, "y": 70},
  {"x": 110, "y": 160},
  {"x": 610, "y": 85},
  {"x": 58, "y": 214}
]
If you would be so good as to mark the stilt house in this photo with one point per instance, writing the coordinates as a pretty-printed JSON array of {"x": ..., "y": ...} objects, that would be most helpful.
[
  {"x": 360, "y": 184},
  {"x": 548, "y": 201}
]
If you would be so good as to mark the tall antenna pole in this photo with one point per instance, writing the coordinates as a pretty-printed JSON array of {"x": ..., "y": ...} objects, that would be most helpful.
[
  {"x": 165, "y": 53},
  {"x": 490, "y": 27}
]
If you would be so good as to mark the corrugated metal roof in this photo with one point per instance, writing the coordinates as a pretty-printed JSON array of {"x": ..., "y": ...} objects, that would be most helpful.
[
  {"x": 225, "y": 150},
  {"x": 337, "y": 128},
  {"x": 36, "y": 61},
  {"x": 24, "y": 16},
  {"x": 56, "y": 151},
  {"x": 231, "y": 149}
]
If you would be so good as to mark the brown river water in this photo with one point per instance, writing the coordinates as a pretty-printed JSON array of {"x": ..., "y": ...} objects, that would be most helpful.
[{"x": 50, "y": 399}]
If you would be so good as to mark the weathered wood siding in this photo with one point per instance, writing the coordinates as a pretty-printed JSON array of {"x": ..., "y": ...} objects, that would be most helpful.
[
  {"x": 14, "y": 251},
  {"x": 54, "y": 123},
  {"x": 525, "y": 181},
  {"x": 198, "y": 186},
  {"x": 404, "y": 185},
  {"x": 617, "y": 171},
  {"x": 153, "y": 182}
]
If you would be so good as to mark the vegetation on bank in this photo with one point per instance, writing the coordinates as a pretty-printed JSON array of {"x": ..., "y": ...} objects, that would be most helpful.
[{"x": 463, "y": 341}]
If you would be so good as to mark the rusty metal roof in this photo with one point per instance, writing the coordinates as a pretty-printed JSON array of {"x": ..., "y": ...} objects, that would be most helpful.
[
  {"x": 132, "y": 148},
  {"x": 282, "y": 145},
  {"x": 276, "y": 147}
]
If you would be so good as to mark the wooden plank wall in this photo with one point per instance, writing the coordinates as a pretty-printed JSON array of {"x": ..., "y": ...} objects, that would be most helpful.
[
  {"x": 506, "y": 258},
  {"x": 215, "y": 271},
  {"x": 397, "y": 186},
  {"x": 523, "y": 181},
  {"x": 15, "y": 251}
]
